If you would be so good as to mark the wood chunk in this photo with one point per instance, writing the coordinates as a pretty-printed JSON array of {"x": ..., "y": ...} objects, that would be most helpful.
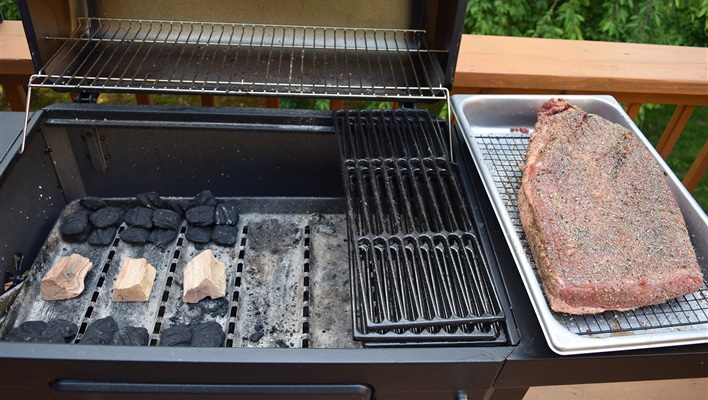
[
  {"x": 134, "y": 282},
  {"x": 66, "y": 278},
  {"x": 204, "y": 276}
]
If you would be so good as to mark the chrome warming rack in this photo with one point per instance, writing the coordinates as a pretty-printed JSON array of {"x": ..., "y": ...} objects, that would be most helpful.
[{"x": 178, "y": 57}]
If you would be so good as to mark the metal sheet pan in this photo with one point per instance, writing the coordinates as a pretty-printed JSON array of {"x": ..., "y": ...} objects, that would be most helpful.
[{"x": 489, "y": 123}]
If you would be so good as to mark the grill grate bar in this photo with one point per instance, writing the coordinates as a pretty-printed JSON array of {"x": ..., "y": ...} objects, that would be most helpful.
[
  {"x": 503, "y": 154},
  {"x": 197, "y": 57}
]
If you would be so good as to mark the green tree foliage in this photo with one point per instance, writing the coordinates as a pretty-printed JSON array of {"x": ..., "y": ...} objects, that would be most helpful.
[
  {"x": 672, "y": 22},
  {"x": 9, "y": 10}
]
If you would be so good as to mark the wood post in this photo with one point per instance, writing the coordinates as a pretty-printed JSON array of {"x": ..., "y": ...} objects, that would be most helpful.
[
  {"x": 673, "y": 130},
  {"x": 697, "y": 170}
]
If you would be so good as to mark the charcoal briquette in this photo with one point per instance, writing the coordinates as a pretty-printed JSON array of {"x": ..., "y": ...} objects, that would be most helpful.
[
  {"x": 92, "y": 203},
  {"x": 204, "y": 198},
  {"x": 54, "y": 331},
  {"x": 102, "y": 236},
  {"x": 75, "y": 224},
  {"x": 100, "y": 331},
  {"x": 151, "y": 200},
  {"x": 131, "y": 336},
  {"x": 166, "y": 219},
  {"x": 162, "y": 237},
  {"x": 177, "y": 335},
  {"x": 140, "y": 217},
  {"x": 226, "y": 214},
  {"x": 198, "y": 234},
  {"x": 179, "y": 205},
  {"x": 107, "y": 216},
  {"x": 78, "y": 238},
  {"x": 200, "y": 215},
  {"x": 59, "y": 331},
  {"x": 208, "y": 334},
  {"x": 224, "y": 235},
  {"x": 28, "y": 331},
  {"x": 134, "y": 235}
]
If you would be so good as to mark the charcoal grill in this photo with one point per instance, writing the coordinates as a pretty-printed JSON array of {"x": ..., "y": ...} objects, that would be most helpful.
[{"x": 345, "y": 218}]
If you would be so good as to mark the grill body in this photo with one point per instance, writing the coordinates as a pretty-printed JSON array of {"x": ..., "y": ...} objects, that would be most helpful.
[{"x": 297, "y": 160}]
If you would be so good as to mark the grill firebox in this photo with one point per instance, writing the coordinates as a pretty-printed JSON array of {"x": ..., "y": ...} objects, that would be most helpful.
[{"x": 278, "y": 293}]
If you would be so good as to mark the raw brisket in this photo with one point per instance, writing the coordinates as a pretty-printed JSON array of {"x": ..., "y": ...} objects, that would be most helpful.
[{"x": 603, "y": 226}]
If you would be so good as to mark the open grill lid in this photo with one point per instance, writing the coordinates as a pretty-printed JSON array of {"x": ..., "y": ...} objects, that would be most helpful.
[{"x": 402, "y": 50}]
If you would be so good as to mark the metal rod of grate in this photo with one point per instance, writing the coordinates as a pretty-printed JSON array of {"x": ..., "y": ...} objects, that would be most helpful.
[
  {"x": 218, "y": 58},
  {"x": 503, "y": 154}
]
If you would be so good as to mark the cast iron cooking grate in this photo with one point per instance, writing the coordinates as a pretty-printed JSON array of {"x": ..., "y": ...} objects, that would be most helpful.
[
  {"x": 503, "y": 155},
  {"x": 418, "y": 273}
]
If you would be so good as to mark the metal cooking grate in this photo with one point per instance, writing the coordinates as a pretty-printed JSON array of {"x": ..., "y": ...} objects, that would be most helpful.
[
  {"x": 418, "y": 272},
  {"x": 402, "y": 133},
  {"x": 405, "y": 196},
  {"x": 217, "y": 58},
  {"x": 503, "y": 155},
  {"x": 424, "y": 280}
]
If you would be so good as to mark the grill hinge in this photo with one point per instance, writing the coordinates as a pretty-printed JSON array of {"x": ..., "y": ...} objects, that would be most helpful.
[{"x": 86, "y": 98}]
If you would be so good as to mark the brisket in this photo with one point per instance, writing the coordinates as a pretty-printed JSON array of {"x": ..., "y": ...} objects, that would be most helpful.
[{"x": 603, "y": 226}]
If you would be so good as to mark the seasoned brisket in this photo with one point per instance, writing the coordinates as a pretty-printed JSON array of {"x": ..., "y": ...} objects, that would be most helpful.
[{"x": 603, "y": 226}]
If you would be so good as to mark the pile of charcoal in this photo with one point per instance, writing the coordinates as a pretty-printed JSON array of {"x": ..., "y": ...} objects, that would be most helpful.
[
  {"x": 105, "y": 331},
  {"x": 151, "y": 218}
]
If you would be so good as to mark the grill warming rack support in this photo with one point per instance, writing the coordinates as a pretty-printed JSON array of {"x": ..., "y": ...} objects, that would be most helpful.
[{"x": 178, "y": 57}]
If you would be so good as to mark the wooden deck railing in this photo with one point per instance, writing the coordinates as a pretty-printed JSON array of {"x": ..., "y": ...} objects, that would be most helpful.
[{"x": 633, "y": 73}]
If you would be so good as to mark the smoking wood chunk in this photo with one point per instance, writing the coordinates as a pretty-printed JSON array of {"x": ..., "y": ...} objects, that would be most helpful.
[
  {"x": 66, "y": 278},
  {"x": 204, "y": 276},
  {"x": 134, "y": 281}
]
